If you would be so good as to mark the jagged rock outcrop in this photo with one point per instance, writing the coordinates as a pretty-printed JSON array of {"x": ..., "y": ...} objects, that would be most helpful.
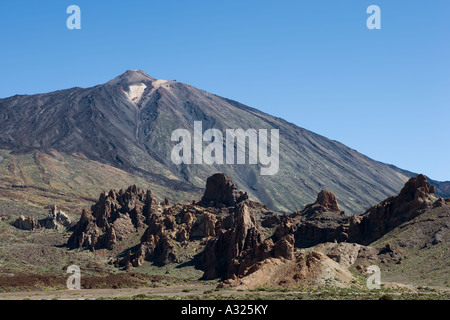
[
  {"x": 323, "y": 221},
  {"x": 26, "y": 223},
  {"x": 415, "y": 197},
  {"x": 224, "y": 222},
  {"x": 112, "y": 218},
  {"x": 322, "y": 265},
  {"x": 319, "y": 222},
  {"x": 243, "y": 233},
  {"x": 224, "y": 234},
  {"x": 241, "y": 246},
  {"x": 326, "y": 202},
  {"x": 246, "y": 262},
  {"x": 237, "y": 245},
  {"x": 221, "y": 191},
  {"x": 168, "y": 232},
  {"x": 322, "y": 227},
  {"x": 56, "y": 219}
]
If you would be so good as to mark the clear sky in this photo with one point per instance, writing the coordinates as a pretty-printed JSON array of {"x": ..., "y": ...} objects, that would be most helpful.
[{"x": 315, "y": 63}]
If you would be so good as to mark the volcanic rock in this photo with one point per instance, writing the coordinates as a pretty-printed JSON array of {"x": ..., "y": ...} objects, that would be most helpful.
[
  {"x": 56, "y": 220},
  {"x": 220, "y": 190},
  {"x": 26, "y": 223},
  {"x": 112, "y": 218},
  {"x": 326, "y": 264},
  {"x": 313, "y": 269},
  {"x": 326, "y": 202},
  {"x": 319, "y": 222},
  {"x": 244, "y": 234},
  {"x": 171, "y": 229},
  {"x": 323, "y": 221},
  {"x": 414, "y": 198}
]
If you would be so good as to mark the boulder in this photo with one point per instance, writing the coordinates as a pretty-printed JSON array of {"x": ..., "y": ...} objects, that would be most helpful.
[{"x": 26, "y": 223}]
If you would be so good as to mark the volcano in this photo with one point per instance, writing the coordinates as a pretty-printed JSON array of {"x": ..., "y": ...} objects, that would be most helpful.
[{"x": 127, "y": 123}]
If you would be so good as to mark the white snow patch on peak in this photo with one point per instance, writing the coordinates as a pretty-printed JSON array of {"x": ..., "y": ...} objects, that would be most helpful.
[{"x": 135, "y": 92}]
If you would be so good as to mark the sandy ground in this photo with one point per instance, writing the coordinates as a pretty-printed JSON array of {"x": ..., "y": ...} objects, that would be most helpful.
[{"x": 99, "y": 293}]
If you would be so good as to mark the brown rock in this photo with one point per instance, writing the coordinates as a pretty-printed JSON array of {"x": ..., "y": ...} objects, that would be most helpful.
[
  {"x": 312, "y": 269},
  {"x": 284, "y": 248},
  {"x": 220, "y": 190},
  {"x": 56, "y": 219},
  {"x": 414, "y": 198},
  {"x": 243, "y": 235},
  {"x": 26, "y": 223},
  {"x": 322, "y": 221},
  {"x": 288, "y": 225},
  {"x": 204, "y": 226},
  {"x": 112, "y": 218},
  {"x": 328, "y": 200}
]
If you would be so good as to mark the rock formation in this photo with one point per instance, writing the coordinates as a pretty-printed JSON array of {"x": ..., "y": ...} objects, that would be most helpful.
[
  {"x": 56, "y": 219},
  {"x": 319, "y": 222},
  {"x": 173, "y": 229},
  {"x": 312, "y": 247},
  {"x": 323, "y": 221},
  {"x": 416, "y": 196},
  {"x": 220, "y": 190},
  {"x": 326, "y": 202},
  {"x": 26, "y": 223},
  {"x": 113, "y": 217},
  {"x": 242, "y": 245},
  {"x": 242, "y": 234},
  {"x": 324, "y": 264},
  {"x": 224, "y": 220}
]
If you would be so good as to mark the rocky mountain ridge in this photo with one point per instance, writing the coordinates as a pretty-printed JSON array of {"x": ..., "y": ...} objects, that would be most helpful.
[
  {"x": 244, "y": 243},
  {"x": 127, "y": 123}
]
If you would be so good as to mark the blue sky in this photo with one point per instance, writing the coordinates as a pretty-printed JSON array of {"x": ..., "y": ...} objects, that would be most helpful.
[{"x": 382, "y": 92}]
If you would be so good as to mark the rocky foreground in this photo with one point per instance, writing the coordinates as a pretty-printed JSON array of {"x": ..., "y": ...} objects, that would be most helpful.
[{"x": 244, "y": 244}]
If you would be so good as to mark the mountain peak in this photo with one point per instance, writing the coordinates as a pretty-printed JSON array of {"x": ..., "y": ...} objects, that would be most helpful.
[{"x": 131, "y": 77}]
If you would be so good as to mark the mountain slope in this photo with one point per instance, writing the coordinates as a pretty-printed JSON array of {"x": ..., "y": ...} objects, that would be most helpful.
[
  {"x": 128, "y": 121},
  {"x": 30, "y": 182},
  {"x": 420, "y": 249}
]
